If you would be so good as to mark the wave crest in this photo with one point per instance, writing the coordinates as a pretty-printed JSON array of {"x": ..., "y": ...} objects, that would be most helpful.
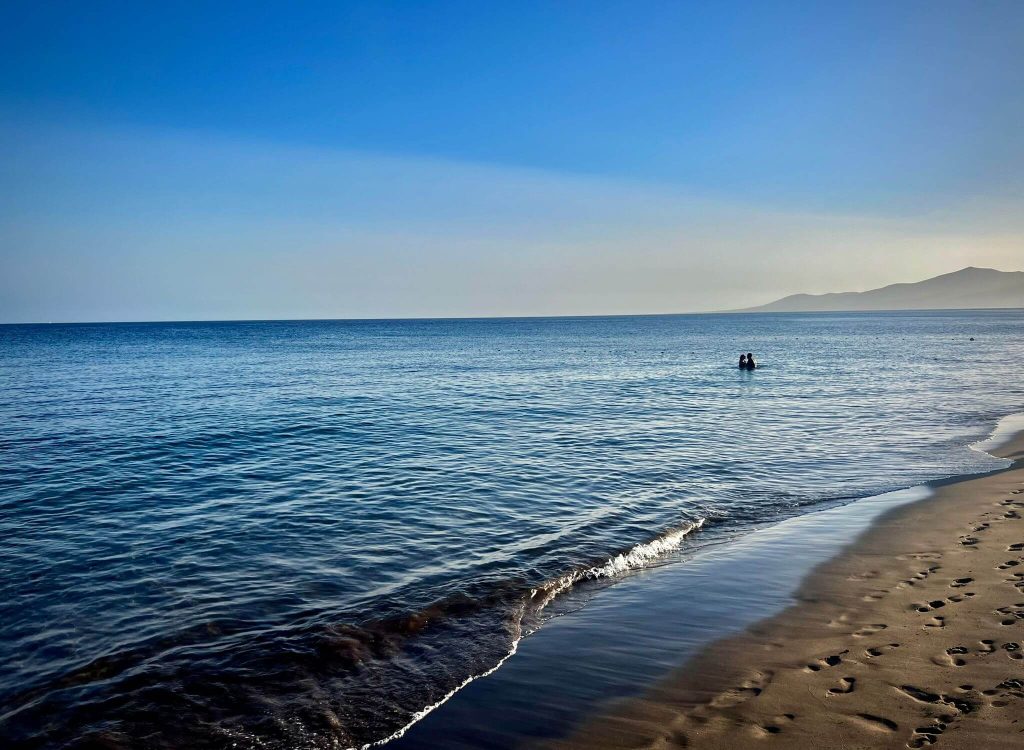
[{"x": 636, "y": 557}]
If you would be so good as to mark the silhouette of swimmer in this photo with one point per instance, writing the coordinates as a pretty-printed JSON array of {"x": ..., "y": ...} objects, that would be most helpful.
[
  {"x": 743, "y": 361},
  {"x": 747, "y": 361}
]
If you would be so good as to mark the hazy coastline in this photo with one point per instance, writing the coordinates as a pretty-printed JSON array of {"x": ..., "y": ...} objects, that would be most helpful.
[{"x": 966, "y": 289}]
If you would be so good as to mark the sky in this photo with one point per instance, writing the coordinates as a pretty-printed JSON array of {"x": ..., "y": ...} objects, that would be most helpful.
[{"x": 199, "y": 161}]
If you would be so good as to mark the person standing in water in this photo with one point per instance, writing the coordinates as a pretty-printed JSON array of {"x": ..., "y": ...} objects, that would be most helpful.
[
  {"x": 743, "y": 361},
  {"x": 751, "y": 364}
]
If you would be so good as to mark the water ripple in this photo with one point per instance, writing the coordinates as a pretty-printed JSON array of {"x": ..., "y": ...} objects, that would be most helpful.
[{"x": 303, "y": 534}]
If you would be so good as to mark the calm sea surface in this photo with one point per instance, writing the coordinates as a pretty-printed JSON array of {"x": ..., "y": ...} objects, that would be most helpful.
[{"x": 302, "y": 534}]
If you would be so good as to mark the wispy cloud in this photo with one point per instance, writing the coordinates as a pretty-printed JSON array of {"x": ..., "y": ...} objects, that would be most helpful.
[{"x": 124, "y": 223}]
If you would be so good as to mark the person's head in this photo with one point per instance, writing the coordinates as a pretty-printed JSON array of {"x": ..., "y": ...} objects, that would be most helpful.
[
  {"x": 743, "y": 358},
  {"x": 749, "y": 355}
]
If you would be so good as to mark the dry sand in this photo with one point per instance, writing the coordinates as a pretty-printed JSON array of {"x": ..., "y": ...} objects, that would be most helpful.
[{"x": 911, "y": 637}]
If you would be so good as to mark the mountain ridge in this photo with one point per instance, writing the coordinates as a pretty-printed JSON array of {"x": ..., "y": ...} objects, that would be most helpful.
[{"x": 968, "y": 288}]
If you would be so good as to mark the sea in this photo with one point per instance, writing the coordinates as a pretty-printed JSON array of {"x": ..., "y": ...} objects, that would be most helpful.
[{"x": 310, "y": 534}]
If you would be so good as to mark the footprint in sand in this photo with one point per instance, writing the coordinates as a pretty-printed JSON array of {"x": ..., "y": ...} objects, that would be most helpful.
[
  {"x": 952, "y": 657},
  {"x": 1018, "y": 547},
  {"x": 927, "y": 735},
  {"x": 840, "y": 621},
  {"x": 937, "y": 603},
  {"x": 846, "y": 686},
  {"x": 936, "y": 622},
  {"x": 960, "y": 705},
  {"x": 775, "y": 727},
  {"x": 1013, "y": 687},
  {"x": 864, "y": 632},
  {"x": 750, "y": 688},
  {"x": 920, "y": 575},
  {"x": 1012, "y": 650},
  {"x": 1013, "y": 613},
  {"x": 878, "y": 722},
  {"x": 875, "y": 595},
  {"x": 1008, "y": 564},
  {"x": 876, "y": 651},
  {"x": 960, "y": 583},
  {"x": 828, "y": 661}
]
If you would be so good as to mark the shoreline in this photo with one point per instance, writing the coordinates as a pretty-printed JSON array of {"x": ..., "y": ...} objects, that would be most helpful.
[{"x": 910, "y": 634}]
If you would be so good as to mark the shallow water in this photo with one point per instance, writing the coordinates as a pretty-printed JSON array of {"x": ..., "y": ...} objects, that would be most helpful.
[
  {"x": 630, "y": 639},
  {"x": 298, "y": 534}
]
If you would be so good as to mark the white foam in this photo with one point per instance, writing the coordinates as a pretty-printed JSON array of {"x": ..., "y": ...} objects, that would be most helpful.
[
  {"x": 416, "y": 717},
  {"x": 637, "y": 557},
  {"x": 1004, "y": 431}
]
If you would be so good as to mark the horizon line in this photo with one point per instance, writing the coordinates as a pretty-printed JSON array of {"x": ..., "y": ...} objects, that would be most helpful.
[{"x": 504, "y": 317}]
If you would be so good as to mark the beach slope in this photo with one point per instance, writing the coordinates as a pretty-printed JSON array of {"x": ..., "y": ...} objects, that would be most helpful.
[{"x": 912, "y": 636}]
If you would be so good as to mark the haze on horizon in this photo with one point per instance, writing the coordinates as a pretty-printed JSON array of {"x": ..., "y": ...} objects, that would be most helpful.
[{"x": 352, "y": 160}]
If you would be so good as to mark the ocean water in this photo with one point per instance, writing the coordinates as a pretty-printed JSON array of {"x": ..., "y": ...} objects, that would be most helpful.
[{"x": 307, "y": 534}]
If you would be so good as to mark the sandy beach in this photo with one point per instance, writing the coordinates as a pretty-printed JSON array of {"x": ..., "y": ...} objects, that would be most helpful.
[{"x": 911, "y": 636}]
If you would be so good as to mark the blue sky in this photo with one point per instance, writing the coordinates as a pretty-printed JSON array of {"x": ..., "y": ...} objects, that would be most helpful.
[{"x": 379, "y": 159}]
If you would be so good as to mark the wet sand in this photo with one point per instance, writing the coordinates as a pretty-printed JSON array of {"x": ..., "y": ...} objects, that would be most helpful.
[{"x": 911, "y": 637}]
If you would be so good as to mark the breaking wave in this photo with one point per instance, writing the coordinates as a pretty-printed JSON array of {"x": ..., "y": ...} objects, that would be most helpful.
[
  {"x": 637, "y": 557},
  {"x": 382, "y": 676}
]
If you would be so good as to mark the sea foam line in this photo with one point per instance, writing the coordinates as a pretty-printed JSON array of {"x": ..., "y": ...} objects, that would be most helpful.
[
  {"x": 422, "y": 713},
  {"x": 636, "y": 557},
  {"x": 1004, "y": 431}
]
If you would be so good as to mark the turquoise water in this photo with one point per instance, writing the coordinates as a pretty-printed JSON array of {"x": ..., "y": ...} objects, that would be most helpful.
[{"x": 302, "y": 534}]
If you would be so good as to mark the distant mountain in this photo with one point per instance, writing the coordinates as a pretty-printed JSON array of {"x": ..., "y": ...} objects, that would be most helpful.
[{"x": 964, "y": 289}]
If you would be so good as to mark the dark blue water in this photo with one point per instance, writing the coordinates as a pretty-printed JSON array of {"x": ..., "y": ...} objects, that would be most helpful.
[{"x": 300, "y": 534}]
